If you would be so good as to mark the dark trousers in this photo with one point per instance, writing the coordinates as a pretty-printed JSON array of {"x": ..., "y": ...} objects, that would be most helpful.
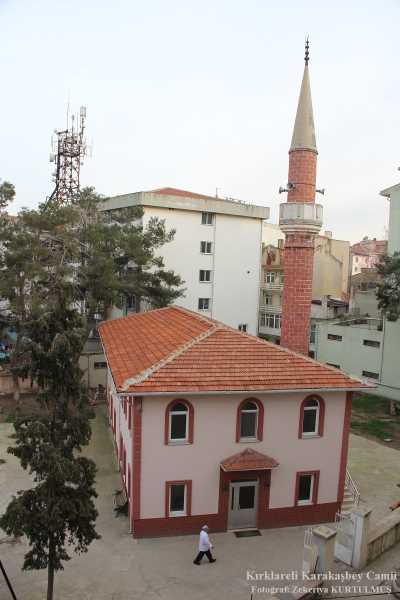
[{"x": 202, "y": 553}]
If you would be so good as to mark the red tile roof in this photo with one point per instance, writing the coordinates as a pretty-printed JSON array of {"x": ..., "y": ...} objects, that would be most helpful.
[
  {"x": 175, "y": 350},
  {"x": 168, "y": 191},
  {"x": 248, "y": 460}
]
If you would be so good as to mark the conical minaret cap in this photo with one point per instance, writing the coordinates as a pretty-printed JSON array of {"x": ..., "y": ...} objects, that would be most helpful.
[{"x": 304, "y": 132}]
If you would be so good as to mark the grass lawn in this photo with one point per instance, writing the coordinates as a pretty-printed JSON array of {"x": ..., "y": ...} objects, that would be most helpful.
[{"x": 370, "y": 417}]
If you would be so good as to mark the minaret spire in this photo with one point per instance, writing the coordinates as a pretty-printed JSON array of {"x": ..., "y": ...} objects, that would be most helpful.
[
  {"x": 304, "y": 131},
  {"x": 300, "y": 219}
]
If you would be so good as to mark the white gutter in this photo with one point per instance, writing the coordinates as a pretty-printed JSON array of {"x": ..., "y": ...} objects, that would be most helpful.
[{"x": 236, "y": 392}]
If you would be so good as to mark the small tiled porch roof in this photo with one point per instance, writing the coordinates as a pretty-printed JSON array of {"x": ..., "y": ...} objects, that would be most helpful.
[{"x": 249, "y": 460}]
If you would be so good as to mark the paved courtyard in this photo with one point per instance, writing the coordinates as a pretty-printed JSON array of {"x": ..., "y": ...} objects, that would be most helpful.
[{"x": 120, "y": 568}]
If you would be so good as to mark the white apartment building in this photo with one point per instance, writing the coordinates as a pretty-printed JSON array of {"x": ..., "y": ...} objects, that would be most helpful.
[{"x": 216, "y": 250}]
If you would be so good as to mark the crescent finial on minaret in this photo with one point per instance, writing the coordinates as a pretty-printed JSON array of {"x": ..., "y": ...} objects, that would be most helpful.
[{"x": 307, "y": 53}]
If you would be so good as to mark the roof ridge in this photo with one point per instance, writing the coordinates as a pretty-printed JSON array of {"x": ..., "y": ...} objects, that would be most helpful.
[{"x": 167, "y": 359}]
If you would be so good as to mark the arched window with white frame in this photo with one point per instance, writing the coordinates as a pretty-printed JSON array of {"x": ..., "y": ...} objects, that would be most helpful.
[
  {"x": 311, "y": 417},
  {"x": 179, "y": 423},
  {"x": 249, "y": 421}
]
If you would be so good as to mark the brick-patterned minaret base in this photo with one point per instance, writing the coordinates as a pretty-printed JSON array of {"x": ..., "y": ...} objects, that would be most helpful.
[{"x": 296, "y": 305}]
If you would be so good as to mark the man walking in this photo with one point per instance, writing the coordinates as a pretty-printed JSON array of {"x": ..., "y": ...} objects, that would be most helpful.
[{"x": 204, "y": 546}]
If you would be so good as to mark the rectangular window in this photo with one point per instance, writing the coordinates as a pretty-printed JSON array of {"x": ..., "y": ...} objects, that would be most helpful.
[
  {"x": 205, "y": 275},
  {"x": 270, "y": 320},
  {"x": 370, "y": 375},
  {"x": 207, "y": 218},
  {"x": 204, "y": 303},
  {"x": 305, "y": 489},
  {"x": 313, "y": 331},
  {"x": 178, "y": 426},
  {"x": 267, "y": 299},
  {"x": 269, "y": 277},
  {"x": 372, "y": 343},
  {"x": 243, "y": 327},
  {"x": 100, "y": 365},
  {"x": 177, "y": 500},
  {"x": 310, "y": 420},
  {"x": 206, "y": 247},
  {"x": 332, "y": 336},
  {"x": 248, "y": 424}
]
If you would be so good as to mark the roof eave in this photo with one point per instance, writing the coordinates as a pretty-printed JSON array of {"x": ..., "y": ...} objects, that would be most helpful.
[{"x": 179, "y": 393}]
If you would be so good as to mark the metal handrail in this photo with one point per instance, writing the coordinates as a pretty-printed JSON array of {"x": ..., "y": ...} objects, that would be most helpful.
[{"x": 352, "y": 487}]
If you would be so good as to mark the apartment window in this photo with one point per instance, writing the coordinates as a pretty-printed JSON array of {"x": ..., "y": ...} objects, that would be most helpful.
[
  {"x": 270, "y": 320},
  {"x": 372, "y": 343},
  {"x": 242, "y": 327},
  {"x": 206, "y": 247},
  {"x": 313, "y": 332},
  {"x": 178, "y": 498},
  {"x": 370, "y": 375},
  {"x": 267, "y": 299},
  {"x": 204, "y": 303},
  {"x": 100, "y": 365},
  {"x": 205, "y": 275},
  {"x": 207, "y": 218},
  {"x": 306, "y": 488},
  {"x": 250, "y": 418},
  {"x": 179, "y": 418},
  {"x": 270, "y": 277},
  {"x": 312, "y": 412},
  {"x": 336, "y": 338}
]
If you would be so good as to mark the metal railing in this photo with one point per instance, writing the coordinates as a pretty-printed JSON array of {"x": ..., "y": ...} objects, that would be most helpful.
[{"x": 352, "y": 487}]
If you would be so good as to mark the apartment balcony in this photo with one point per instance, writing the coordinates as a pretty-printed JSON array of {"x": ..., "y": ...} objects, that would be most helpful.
[
  {"x": 268, "y": 308},
  {"x": 276, "y": 286},
  {"x": 295, "y": 216}
]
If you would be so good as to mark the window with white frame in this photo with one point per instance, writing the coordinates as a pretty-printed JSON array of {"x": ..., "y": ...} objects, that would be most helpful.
[
  {"x": 207, "y": 218},
  {"x": 248, "y": 421},
  {"x": 206, "y": 247},
  {"x": 204, "y": 304},
  {"x": 242, "y": 327},
  {"x": 270, "y": 320},
  {"x": 305, "y": 488},
  {"x": 205, "y": 275},
  {"x": 311, "y": 417},
  {"x": 177, "y": 500},
  {"x": 178, "y": 423},
  {"x": 269, "y": 277}
]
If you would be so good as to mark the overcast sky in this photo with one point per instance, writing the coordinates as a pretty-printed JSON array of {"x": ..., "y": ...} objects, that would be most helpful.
[{"x": 202, "y": 94}]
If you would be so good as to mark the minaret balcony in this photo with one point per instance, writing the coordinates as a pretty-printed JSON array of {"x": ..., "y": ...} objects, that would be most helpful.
[{"x": 300, "y": 217}]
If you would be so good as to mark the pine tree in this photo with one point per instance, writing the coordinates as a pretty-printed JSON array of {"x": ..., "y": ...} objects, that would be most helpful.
[
  {"x": 59, "y": 267},
  {"x": 388, "y": 291}
]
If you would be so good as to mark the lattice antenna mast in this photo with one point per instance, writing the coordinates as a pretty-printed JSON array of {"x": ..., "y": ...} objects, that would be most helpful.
[{"x": 68, "y": 151}]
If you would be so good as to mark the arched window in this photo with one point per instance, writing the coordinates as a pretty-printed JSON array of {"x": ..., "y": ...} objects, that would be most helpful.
[
  {"x": 249, "y": 421},
  {"x": 311, "y": 417},
  {"x": 179, "y": 423}
]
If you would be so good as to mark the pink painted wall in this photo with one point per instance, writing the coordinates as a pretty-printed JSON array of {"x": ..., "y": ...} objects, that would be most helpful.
[{"x": 214, "y": 440}]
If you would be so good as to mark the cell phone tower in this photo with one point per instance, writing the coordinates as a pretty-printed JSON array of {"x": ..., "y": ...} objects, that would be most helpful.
[{"x": 67, "y": 152}]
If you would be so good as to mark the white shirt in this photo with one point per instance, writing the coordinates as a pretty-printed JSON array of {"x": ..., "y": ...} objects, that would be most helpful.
[{"x": 204, "y": 541}]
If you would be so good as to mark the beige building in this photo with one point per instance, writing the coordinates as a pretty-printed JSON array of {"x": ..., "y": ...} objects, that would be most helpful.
[
  {"x": 361, "y": 346},
  {"x": 330, "y": 279}
]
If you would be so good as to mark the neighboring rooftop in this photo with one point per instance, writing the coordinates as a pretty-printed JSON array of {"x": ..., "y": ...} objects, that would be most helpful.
[
  {"x": 175, "y": 350},
  {"x": 185, "y": 200}
]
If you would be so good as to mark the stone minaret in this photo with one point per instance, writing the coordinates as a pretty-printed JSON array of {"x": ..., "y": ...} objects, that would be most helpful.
[{"x": 300, "y": 219}]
